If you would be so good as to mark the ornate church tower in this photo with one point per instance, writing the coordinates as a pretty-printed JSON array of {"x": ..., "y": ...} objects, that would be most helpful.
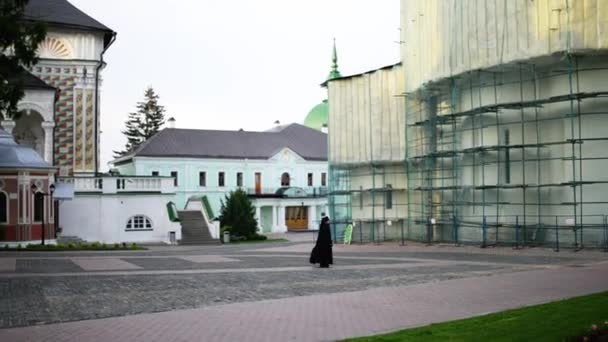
[{"x": 71, "y": 59}]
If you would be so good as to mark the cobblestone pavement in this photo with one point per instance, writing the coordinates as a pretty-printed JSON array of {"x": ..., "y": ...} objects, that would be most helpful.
[{"x": 47, "y": 288}]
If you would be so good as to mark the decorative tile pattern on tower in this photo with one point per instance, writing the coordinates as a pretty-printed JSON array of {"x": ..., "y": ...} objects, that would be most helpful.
[
  {"x": 89, "y": 136},
  {"x": 79, "y": 124},
  {"x": 64, "y": 115}
]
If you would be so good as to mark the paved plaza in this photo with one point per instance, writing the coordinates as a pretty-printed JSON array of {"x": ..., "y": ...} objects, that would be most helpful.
[{"x": 269, "y": 292}]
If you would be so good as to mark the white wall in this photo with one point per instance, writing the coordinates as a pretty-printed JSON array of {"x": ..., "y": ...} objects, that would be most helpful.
[{"x": 103, "y": 218}]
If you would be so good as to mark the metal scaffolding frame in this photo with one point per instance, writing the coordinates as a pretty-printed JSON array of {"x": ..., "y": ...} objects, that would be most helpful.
[{"x": 461, "y": 191}]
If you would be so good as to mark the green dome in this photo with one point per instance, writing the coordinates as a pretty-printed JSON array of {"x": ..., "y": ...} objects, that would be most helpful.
[{"x": 318, "y": 116}]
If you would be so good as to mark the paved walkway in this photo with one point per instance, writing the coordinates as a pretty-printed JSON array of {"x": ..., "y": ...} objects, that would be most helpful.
[{"x": 323, "y": 317}]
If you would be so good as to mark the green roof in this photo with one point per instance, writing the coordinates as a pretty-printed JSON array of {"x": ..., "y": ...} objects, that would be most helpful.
[{"x": 318, "y": 116}]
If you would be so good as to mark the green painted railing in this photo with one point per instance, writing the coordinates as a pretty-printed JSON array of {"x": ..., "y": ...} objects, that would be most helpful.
[
  {"x": 207, "y": 207},
  {"x": 172, "y": 211}
]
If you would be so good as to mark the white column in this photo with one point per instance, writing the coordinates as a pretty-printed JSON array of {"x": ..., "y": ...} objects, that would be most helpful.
[
  {"x": 312, "y": 216},
  {"x": 8, "y": 125},
  {"x": 274, "y": 222},
  {"x": 47, "y": 126},
  {"x": 258, "y": 216},
  {"x": 281, "y": 224}
]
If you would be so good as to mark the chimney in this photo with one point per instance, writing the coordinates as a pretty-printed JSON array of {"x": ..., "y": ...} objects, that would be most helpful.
[
  {"x": 324, "y": 128},
  {"x": 171, "y": 122}
]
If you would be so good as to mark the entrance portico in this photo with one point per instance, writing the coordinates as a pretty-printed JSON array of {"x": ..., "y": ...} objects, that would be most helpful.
[{"x": 278, "y": 215}]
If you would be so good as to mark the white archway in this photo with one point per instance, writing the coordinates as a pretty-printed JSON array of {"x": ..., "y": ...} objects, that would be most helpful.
[{"x": 32, "y": 131}]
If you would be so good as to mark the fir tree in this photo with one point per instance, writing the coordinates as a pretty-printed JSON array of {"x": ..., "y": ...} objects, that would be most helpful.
[
  {"x": 153, "y": 114},
  {"x": 133, "y": 133},
  {"x": 238, "y": 213},
  {"x": 143, "y": 124}
]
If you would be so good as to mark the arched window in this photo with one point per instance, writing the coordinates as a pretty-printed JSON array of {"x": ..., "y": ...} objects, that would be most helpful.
[
  {"x": 3, "y": 208},
  {"x": 285, "y": 179},
  {"x": 139, "y": 222}
]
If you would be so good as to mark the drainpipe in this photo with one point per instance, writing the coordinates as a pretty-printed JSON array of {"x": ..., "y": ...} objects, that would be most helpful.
[{"x": 97, "y": 70}]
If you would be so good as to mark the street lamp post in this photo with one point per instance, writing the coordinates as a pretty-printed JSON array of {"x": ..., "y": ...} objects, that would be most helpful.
[{"x": 41, "y": 194}]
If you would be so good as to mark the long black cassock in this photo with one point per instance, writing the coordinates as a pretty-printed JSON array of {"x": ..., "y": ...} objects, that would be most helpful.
[{"x": 322, "y": 253}]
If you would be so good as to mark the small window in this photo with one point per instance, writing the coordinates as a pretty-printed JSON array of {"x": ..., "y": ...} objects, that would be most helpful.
[
  {"x": 285, "y": 179},
  {"x": 220, "y": 179},
  {"x": 323, "y": 179},
  {"x": 155, "y": 173},
  {"x": 202, "y": 178},
  {"x": 389, "y": 197},
  {"x": 239, "y": 179},
  {"x": 38, "y": 207},
  {"x": 139, "y": 222},
  {"x": 3, "y": 208},
  {"x": 310, "y": 179},
  {"x": 174, "y": 175}
]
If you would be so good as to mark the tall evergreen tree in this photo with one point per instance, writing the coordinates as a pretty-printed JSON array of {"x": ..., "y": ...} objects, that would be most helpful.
[
  {"x": 19, "y": 40},
  {"x": 143, "y": 124},
  {"x": 153, "y": 114}
]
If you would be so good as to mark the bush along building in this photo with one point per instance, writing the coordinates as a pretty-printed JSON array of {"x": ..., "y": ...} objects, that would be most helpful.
[
  {"x": 283, "y": 170},
  {"x": 491, "y": 130}
]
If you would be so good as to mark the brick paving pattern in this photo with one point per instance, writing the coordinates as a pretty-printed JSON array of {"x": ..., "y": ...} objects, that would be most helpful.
[{"x": 253, "y": 293}]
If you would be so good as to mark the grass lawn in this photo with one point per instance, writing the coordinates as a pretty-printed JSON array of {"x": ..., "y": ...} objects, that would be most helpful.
[
  {"x": 555, "y": 321},
  {"x": 259, "y": 241}
]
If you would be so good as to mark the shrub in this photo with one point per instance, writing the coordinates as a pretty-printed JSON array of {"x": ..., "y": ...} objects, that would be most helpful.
[
  {"x": 237, "y": 238},
  {"x": 238, "y": 213},
  {"x": 71, "y": 245},
  {"x": 117, "y": 245},
  {"x": 124, "y": 245},
  {"x": 133, "y": 246},
  {"x": 6, "y": 246},
  {"x": 83, "y": 245},
  {"x": 30, "y": 246},
  {"x": 257, "y": 237},
  {"x": 61, "y": 246},
  {"x": 19, "y": 246},
  {"x": 104, "y": 246},
  {"x": 95, "y": 245}
]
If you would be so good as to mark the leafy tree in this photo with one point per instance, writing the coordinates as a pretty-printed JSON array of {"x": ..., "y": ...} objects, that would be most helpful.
[
  {"x": 143, "y": 124},
  {"x": 238, "y": 213},
  {"x": 19, "y": 40}
]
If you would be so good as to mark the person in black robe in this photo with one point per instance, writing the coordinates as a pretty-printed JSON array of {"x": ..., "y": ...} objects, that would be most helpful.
[{"x": 322, "y": 253}]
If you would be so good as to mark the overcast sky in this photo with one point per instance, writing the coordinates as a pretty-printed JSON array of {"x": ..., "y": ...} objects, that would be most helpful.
[{"x": 230, "y": 64}]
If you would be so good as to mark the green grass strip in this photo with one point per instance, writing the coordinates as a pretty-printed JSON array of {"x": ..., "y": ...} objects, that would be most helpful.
[{"x": 556, "y": 321}]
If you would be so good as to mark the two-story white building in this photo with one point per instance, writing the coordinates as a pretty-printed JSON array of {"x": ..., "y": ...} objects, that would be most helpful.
[{"x": 284, "y": 170}]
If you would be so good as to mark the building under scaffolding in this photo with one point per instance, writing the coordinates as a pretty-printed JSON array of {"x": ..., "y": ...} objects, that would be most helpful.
[{"x": 493, "y": 129}]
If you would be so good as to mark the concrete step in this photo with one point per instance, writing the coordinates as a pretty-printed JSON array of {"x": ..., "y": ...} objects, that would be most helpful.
[{"x": 201, "y": 242}]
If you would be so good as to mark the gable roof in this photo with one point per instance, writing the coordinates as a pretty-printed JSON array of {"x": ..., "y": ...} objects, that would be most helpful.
[
  {"x": 63, "y": 13},
  {"x": 29, "y": 80},
  {"x": 309, "y": 143},
  {"x": 32, "y": 82}
]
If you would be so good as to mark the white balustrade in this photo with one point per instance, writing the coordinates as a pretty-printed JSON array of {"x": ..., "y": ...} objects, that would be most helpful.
[{"x": 111, "y": 185}]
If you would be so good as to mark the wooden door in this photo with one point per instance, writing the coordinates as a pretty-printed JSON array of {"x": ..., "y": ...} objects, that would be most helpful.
[
  {"x": 258, "y": 183},
  {"x": 296, "y": 218}
]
